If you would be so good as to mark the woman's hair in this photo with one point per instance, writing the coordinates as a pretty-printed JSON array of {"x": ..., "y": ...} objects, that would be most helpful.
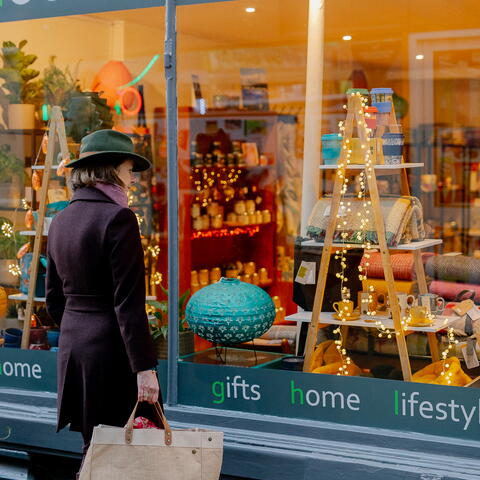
[{"x": 89, "y": 175}]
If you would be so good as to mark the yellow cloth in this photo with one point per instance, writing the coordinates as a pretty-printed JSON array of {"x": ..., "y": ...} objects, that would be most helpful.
[
  {"x": 433, "y": 374},
  {"x": 327, "y": 359},
  {"x": 380, "y": 286}
]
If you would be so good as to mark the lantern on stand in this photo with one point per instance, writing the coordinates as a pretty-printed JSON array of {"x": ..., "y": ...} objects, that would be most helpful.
[{"x": 230, "y": 312}]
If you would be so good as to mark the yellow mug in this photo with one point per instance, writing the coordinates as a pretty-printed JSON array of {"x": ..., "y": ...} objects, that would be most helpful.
[
  {"x": 343, "y": 307},
  {"x": 419, "y": 315}
]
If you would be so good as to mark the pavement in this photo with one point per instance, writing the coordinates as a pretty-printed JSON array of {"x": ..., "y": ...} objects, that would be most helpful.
[{"x": 47, "y": 468}]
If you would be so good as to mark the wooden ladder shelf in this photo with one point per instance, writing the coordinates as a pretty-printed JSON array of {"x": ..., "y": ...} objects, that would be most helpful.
[
  {"x": 356, "y": 119},
  {"x": 56, "y": 131}
]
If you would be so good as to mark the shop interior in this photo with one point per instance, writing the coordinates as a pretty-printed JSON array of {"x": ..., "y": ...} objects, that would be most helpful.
[{"x": 242, "y": 69}]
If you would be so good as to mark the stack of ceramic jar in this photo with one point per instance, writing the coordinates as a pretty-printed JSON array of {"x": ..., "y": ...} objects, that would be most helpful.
[
  {"x": 247, "y": 272},
  {"x": 245, "y": 213}
]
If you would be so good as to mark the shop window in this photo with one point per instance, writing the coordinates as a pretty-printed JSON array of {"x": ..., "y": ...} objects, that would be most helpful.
[
  {"x": 242, "y": 95},
  {"x": 104, "y": 70}
]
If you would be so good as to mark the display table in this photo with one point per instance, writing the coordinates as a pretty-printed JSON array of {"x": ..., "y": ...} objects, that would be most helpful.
[
  {"x": 366, "y": 321},
  {"x": 233, "y": 357}
]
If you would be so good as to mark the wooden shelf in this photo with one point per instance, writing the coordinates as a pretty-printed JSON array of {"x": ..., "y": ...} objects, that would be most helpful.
[
  {"x": 42, "y": 167},
  {"x": 30, "y": 233},
  {"x": 431, "y": 242},
  {"x": 229, "y": 231},
  {"x": 400, "y": 166},
  {"x": 21, "y": 297},
  {"x": 367, "y": 321}
]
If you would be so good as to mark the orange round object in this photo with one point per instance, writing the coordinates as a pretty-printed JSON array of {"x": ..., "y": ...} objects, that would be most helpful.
[
  {"x": 23, "y": 250},
  {"x": 125, "y": 101},
  {"x": 29, "y": 219},
  {"x": 107, "y": 81},
  {"x": 36, "y": 180},
  {"x": 61, "y": 168},
  {"x": 45, "y": 143}
]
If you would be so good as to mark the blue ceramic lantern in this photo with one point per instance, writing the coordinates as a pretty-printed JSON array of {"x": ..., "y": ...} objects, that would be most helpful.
[{"x": 230, "y": 312}]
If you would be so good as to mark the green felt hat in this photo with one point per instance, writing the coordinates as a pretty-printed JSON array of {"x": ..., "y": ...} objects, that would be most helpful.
[{"x": 103, "y": 146}]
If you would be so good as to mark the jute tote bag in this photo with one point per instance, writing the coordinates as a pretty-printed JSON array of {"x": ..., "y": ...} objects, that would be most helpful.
[{"x": 117, "y": 453}]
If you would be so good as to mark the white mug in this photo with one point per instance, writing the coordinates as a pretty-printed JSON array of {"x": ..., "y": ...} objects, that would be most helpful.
[{"x": 405, "y": 301}]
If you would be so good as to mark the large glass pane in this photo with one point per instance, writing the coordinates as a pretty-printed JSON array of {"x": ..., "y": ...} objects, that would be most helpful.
[
  {"x": 105, "y": 71},
  {"x": 242, "y": 69},
  {"x": 424, "y": 61},
  {"x": 428, "y": 56}
]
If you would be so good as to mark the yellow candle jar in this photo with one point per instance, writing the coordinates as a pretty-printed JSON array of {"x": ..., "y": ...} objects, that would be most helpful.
[{"x": 357, "y": 156}]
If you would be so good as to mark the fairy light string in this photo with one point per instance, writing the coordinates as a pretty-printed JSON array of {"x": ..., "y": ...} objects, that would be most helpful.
[
  {"x": 356, "y": 101},
  {"x": 445, "y": 365}
]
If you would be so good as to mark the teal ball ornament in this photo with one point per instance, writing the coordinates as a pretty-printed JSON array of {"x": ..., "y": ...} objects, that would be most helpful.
[{"x": 230, "y": 312}]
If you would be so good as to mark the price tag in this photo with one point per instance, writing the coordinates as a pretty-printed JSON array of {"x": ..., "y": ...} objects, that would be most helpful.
[
  {"x": 342, "y": 211},
  {"x": 474, "y": 313},
  {"x": 306, "y": 273},
  {"x": 469, "y": 353}
]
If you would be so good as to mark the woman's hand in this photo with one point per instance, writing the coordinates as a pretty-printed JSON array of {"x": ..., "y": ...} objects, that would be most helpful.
[{"x": 148, "y": 388}]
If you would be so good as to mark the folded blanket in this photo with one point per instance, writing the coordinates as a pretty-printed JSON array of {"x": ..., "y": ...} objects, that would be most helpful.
[
  {"x": 458, "y": 268},
  {"x": 380, "y": 286},
  {"x": 402, "y": 216},
  {"x": 449, "y": 290},
  {"x": 402, "y": 265}
]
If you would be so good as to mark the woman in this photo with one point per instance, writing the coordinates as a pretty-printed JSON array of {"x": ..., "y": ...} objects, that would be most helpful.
[{"x": 96, "y": 291}]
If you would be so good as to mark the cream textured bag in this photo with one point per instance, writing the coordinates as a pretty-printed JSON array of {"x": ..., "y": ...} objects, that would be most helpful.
[{"x": 117, "y": 453}]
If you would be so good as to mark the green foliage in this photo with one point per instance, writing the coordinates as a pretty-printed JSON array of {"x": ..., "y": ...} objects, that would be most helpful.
[
  {"x": 9, "y": 245},
  {"x": 59, "y": 85},
  {"x": 19, "y": 84},
  {"x": 86, "y": 113},
  {"x": 159, "y": 326},
  {"x": 10, "y": 165}
]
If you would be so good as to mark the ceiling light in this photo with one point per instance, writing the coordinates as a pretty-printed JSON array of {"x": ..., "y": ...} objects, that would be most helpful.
[
  {"x": 250, "y": 10},
  {"x": 347, "y": 37},
  {"x": 419, "y": 56}
]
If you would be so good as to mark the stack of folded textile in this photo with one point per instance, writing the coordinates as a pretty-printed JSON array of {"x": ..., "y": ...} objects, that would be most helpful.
[
  {"x": 402, "y": 216},
  {"x": 403, "y": 272},
  {"x": 454, "y": 274}
]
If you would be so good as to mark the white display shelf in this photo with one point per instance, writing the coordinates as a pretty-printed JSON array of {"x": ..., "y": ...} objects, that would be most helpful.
[
  {"x": 30, "y": 233},
  {"x": 21, "y": 297},
  {"x": 42, "y": 167},
  {"x": 367, "y": 321},
  {"x": 377, "y": 167},
  {"x": 430, "y": 242}
]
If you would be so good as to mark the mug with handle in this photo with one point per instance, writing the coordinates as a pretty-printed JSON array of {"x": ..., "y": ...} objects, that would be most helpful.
[
  {"x": 405, "y": 301},
  {"x": 343, "y": 307},
  {"x": 433, "y": 302}
]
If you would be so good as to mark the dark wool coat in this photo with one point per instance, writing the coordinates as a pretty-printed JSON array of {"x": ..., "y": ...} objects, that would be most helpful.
[{"x": 96, "y": 293}]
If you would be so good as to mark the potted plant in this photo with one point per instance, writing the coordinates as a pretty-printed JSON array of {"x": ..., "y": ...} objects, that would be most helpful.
[
  {"x": 20, "y": 88},
  {"x": 59, "y": 85},
  {"x": 11, "y": 178},
  {"x": 159, "y": 326},
  {"x": 86, "y": 112}
]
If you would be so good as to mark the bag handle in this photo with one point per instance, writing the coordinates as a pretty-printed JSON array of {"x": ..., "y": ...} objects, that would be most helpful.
[
  {"x": 159, "y": 411},
  {"x": 465, "y": 295}
]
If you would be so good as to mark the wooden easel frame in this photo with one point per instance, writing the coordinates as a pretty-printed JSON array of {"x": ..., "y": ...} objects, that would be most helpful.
[
  {"x": 56, "y": 130},
  {"x": 355, "y": 118}
]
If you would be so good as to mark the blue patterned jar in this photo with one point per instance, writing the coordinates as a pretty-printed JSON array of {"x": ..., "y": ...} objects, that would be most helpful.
[
  {"x": 230, "y": 312},
  {"x": 381, "y": 99}
]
